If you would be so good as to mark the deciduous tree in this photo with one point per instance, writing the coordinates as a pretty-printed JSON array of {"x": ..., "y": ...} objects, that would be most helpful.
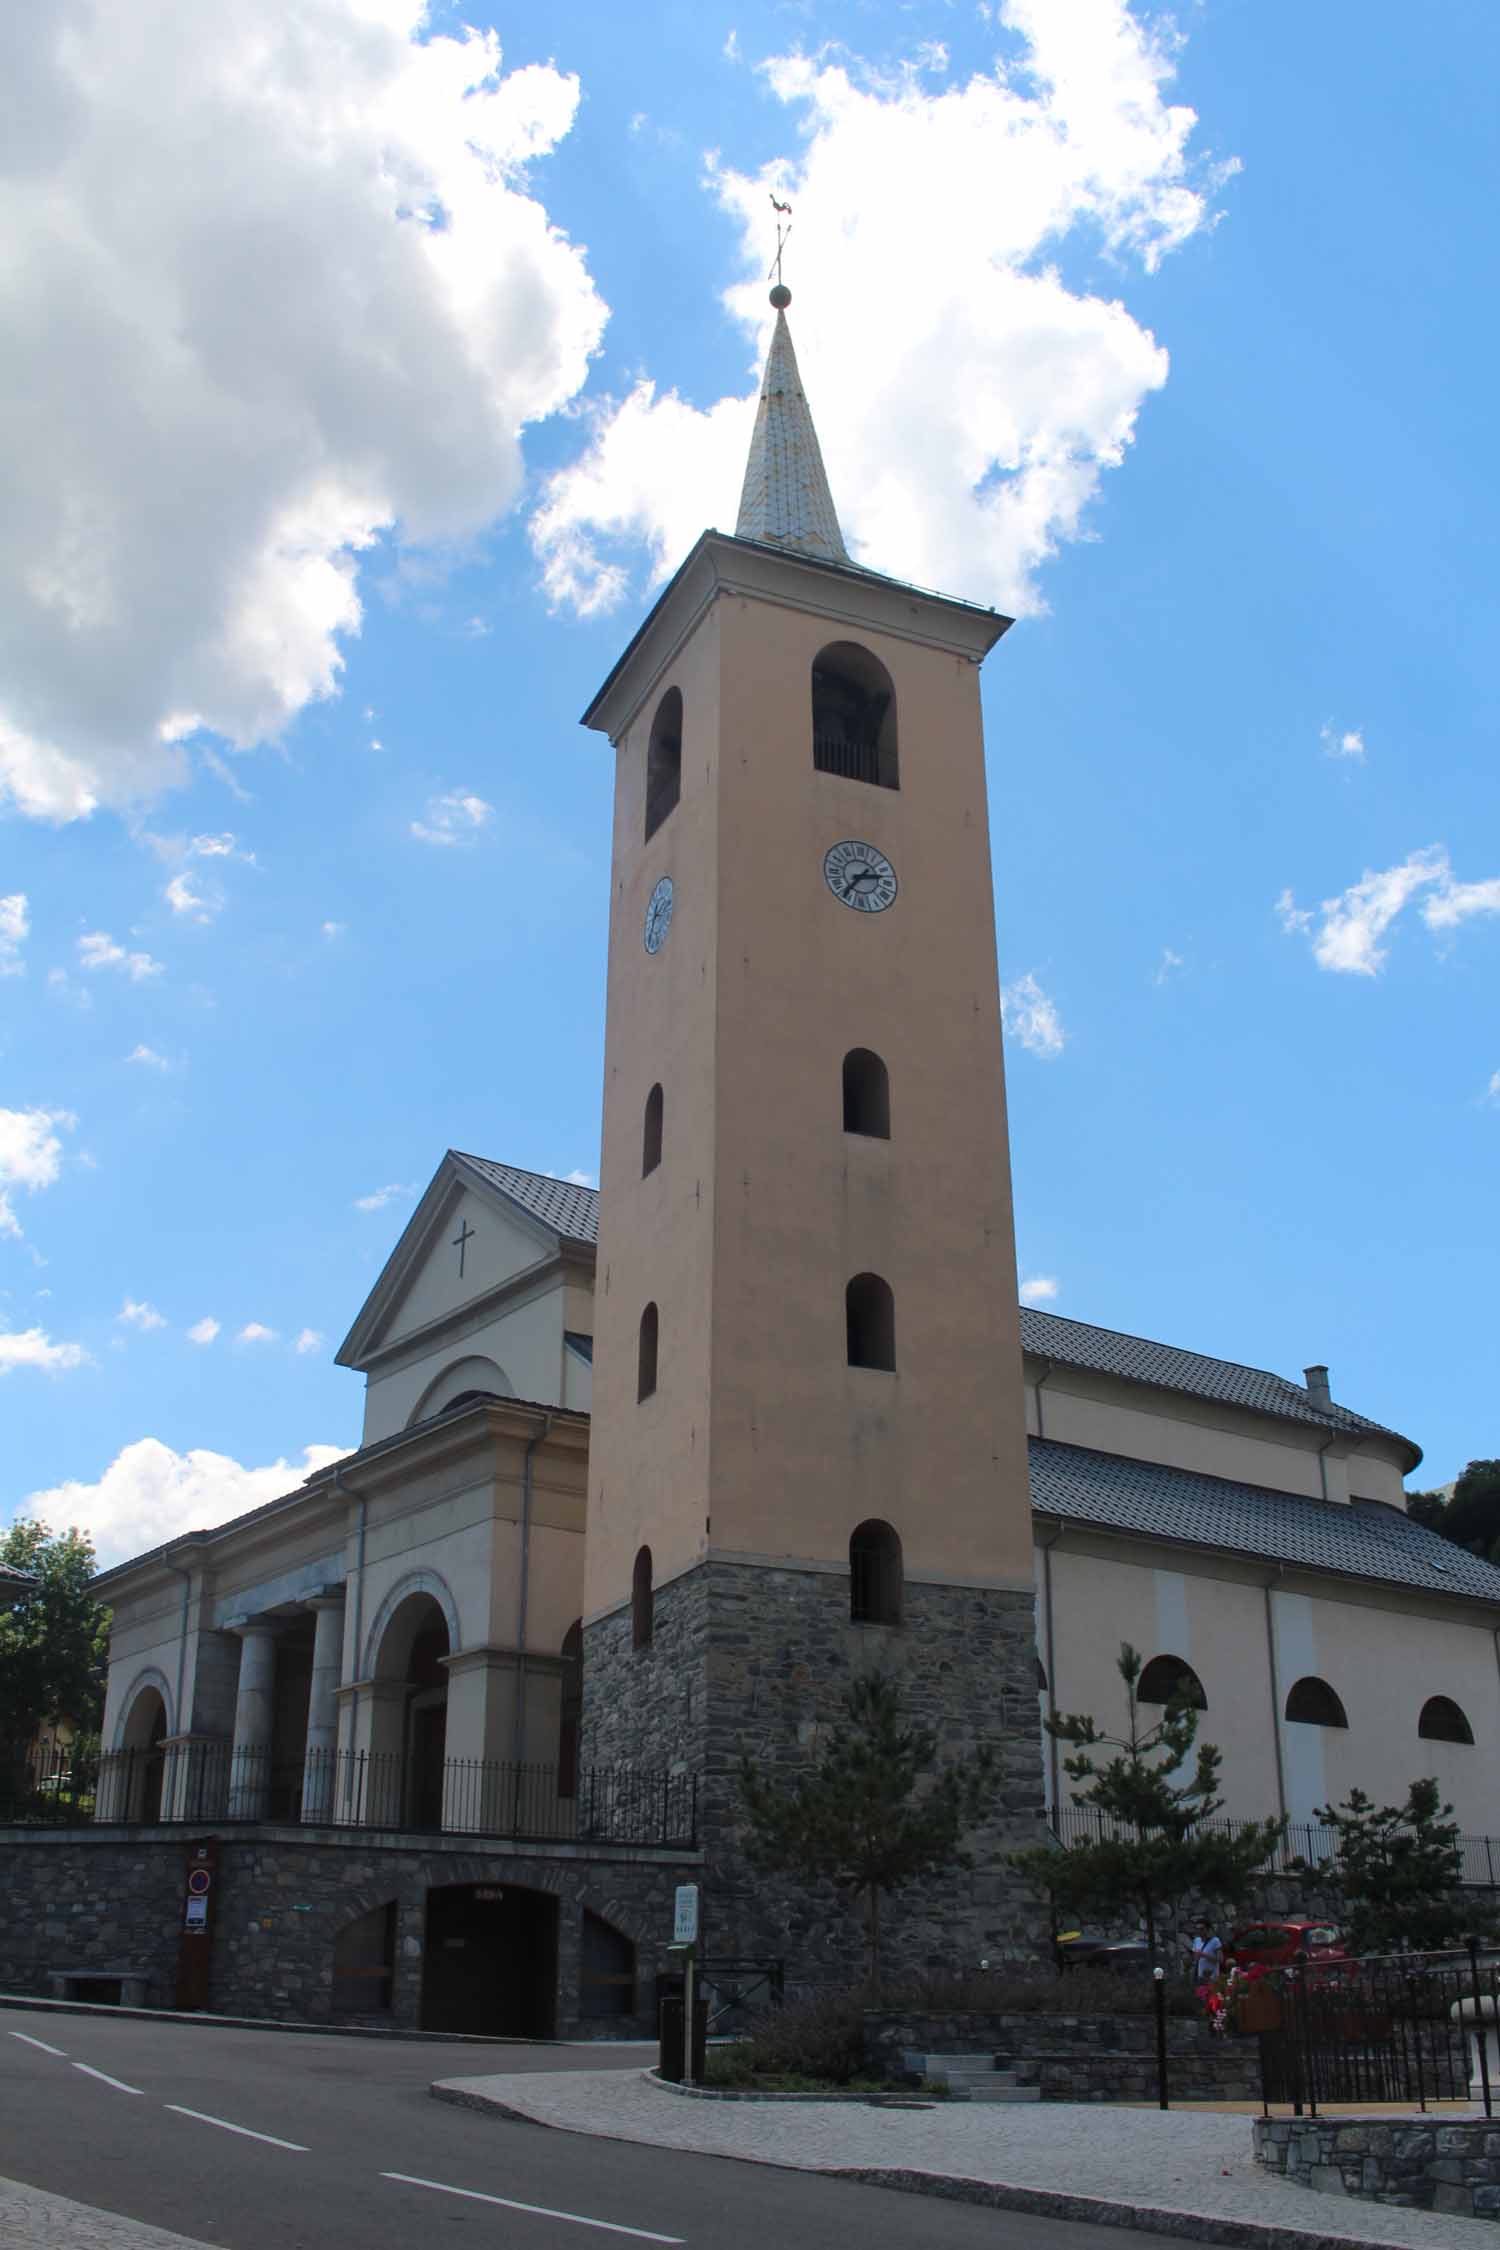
[{"x": 54, "y": 1637}]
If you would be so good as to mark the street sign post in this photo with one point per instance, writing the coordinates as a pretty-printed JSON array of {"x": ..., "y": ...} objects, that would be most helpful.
[
  {"x": 685, "y": 1924},
  {"x": 685, "y": 1940}
]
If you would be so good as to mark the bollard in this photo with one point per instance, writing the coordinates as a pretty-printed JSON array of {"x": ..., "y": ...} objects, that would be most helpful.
[{"x": 1160, "y": 1988}]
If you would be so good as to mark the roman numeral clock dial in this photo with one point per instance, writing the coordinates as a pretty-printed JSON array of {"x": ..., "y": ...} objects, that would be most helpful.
[
  {"x": 658, "y": 916},
  {"x": 859, "y": 876}
]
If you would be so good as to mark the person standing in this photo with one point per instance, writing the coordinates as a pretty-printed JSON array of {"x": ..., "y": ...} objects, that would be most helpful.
[{"x": 1208, "y": 1954}]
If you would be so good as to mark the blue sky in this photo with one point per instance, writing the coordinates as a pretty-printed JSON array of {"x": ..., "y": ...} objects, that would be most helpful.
[{"x": 352, "y": 423}]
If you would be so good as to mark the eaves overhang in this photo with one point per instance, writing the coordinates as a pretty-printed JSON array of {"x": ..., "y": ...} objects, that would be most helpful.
[{"x": 723, "y": 563}]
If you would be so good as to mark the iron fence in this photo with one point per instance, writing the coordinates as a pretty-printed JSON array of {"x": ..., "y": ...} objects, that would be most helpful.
[
  {"x": 1307, "y": 1841},
  {"x": 1397, "y": 2028},
  {"x": 201, "y": 1783}
]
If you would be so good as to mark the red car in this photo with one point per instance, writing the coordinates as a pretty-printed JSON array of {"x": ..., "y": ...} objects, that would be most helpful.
[{"x": 1284, "y": 1945}]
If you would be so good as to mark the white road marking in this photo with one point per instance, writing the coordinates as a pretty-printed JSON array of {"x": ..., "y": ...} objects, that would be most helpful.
[
  {"x": 46, "y": 2050},
  {"x": 537, "y": 2210},
  {"x": 225, "y": 2126},
  {"x": 108, "y": 2081}
]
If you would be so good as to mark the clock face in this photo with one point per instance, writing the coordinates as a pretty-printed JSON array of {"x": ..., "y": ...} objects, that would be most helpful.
[
  {"x": 658, "y": 916},
  {"x": 859, "y": 876}
]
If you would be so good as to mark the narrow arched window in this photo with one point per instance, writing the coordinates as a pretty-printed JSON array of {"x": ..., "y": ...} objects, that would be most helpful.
[
  {"x": 645, "y": 1375},
  {"x": 1443, "y": 1721},
  {"x": 867, "y": 1094},
  {"x": 664, "y": 761},
  {"x": 642, "y": 1602},
  {"x": 651, "y": 1132},
  {"x": 1170, "y": 1679},
  {"x": 870, "y": 1314},
  {"x": 1313, "y": 1703},
  {"x": 854, "y": 715},
  {"x": 874, "y": 1574}
]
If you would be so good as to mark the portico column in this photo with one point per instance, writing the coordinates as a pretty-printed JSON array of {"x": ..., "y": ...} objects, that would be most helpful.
[
  {"x": 250, "y": 1759},
  {"x": 321, "y": 1758}
]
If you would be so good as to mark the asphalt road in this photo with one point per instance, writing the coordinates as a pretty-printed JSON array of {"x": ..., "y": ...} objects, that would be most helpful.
[{"x": 266, "y": 2140}]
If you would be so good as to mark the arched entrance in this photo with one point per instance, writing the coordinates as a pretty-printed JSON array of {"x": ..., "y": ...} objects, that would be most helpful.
[
  {"x": 140, "y": 1785},
  {"x": 490, "y": 1960},
  {"x": 409, "y": 1730}
]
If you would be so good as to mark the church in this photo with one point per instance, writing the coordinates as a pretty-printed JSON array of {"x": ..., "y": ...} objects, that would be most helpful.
[{"x": 648, "y": 1474}]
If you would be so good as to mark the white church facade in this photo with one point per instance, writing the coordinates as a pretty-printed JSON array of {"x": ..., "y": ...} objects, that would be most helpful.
[{"x": 647, "y": 1475}]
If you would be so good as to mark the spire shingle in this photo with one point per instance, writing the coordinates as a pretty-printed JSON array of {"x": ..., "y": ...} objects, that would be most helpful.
[{"x": 786, "y": 500}]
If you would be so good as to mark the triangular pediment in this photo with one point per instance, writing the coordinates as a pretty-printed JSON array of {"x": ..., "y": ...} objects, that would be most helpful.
[{"x": 466, "y": 1242}]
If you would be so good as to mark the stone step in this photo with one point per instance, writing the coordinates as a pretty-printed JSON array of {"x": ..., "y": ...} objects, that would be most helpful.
[{"x": 982, "y": 2090}]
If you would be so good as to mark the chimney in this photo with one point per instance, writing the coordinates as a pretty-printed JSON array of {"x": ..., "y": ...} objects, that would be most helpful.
[{"x": 1316, "y": 1379}]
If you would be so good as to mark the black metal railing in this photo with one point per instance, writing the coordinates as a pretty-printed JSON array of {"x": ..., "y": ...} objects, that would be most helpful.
[
  {"x": 210, "y": 1782},
  {"x": 1307, "y": 1841},
  {"x": 1395, "y": 2028}
]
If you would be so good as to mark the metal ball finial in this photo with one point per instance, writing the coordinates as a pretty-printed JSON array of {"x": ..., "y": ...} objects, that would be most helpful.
[{"x": 781, "y": 296}]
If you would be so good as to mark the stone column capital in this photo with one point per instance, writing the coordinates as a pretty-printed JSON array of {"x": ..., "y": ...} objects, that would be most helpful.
[
  {"x": 247, "y": 1627},
  {"x": 327, "y": 1597}
]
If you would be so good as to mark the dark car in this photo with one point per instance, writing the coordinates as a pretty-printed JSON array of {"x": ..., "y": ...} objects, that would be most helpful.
[{"x": 1284, "y": 1945}]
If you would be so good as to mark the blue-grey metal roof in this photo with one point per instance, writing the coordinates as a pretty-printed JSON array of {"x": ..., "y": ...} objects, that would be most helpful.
[
  {"x": 1359, "y": 1539},
  {"x": 563, "y": 1205},
  {"x": 1135, "y": 1359}
]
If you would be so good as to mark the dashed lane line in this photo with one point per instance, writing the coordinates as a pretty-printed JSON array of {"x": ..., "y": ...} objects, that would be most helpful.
[
  {"x": 224, "y": 2124},
  {"x": 537, "y": 2210},
  {"x": 27, "y": 2039},
  {"x": 90, "y": 2072}
]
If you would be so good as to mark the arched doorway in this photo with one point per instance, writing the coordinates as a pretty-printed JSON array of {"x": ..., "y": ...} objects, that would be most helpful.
[
  {"x": 140, "y": 1786},
  {"x": 490, "y": 1960},
  {"x": 409, "y": 1727}
]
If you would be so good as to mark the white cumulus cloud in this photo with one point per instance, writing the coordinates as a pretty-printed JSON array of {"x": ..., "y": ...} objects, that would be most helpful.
[
  {"x": 15, "y": 928},
  {"x": 148, "y": 1058},
  {"x": 380, "y": 1197},
  {"x": 98, "y": 950},
  {"x": 455, "y": 818},
  {"x": 1347, "y": 933},
  {"x": 32, "y": 1347},
  {"x": 1492, "y": 1091},
  {"x": 1342, "y": 742},
  {"x": 31, "y": 1155},
  {"x": 1167, "y": 966},
  {"x": 967, "y": 398},
  {"x": 256, "y": 1332},
  {"x": 203, "y": 1331},
  {"x": 136, "y": 1314},
  {"x": 277, "y": 285},
  {"x": 1039, "y": 1290},
  {"x": 1028, "y": 1015},
  {"x": 150, "y": 1494},
  {"x": 308, "y": 1341}
]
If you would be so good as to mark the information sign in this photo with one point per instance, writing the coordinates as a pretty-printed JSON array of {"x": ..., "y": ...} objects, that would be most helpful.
[{"x": 685, "y": 1923}]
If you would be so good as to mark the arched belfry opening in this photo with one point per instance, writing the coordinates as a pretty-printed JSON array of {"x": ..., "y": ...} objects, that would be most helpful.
[
  {"x": 867, "y": 1094},
  {"x": 645, "y": 1369},
  {"x": 854, "y": 716},
  {"x": 664, "y": 761}
]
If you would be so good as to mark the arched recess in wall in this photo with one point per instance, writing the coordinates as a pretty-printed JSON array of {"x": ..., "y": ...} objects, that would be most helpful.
[
  {"x": 651, "y": 1123},
  {"x": 867, "y": 1094},
  {"x": 1171, "y": 1678},
  {"x": 875, "y": 1577},
  {"x": 854, "y": 715},
  {"x": 392, "y": 1659},
  {"x": 664, "y": 761},
  {"x": 137, "y": 1723},
  {"x": 1313, "y": 1703},
  {"x": 463, "y": 1380},
  {"x": 364, "y": 1963},
  {"x": 607, "y": 1979},
  {"x": 570, "y": 1710},
  {"x": 642, "y": 1601},
  {"x": 1443, "y": 1720},
  {"x": 645, "y": 1366},
  {"x": 870, "y": 1322}
]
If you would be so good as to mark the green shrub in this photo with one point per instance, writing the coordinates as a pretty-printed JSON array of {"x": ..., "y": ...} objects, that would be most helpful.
[
  {"x": 999, "y": 1992},
  {"x": 820, "y": 2038}
]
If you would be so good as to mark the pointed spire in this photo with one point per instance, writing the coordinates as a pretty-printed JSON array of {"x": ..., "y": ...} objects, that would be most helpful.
[{"x": 786, "y": 500}]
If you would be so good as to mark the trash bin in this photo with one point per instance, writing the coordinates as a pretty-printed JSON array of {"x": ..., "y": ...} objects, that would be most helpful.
[{"x": 672, "y": 2011}]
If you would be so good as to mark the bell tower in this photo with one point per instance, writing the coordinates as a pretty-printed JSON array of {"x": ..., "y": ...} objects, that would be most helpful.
[{"x": 808, "y": 1449}]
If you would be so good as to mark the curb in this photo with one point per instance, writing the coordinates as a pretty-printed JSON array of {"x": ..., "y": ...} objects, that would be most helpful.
[
  {"x": 39, "y": 2006},
  {"x": 997, "y": 2195},
  {"x": 871, "y": 2100}
]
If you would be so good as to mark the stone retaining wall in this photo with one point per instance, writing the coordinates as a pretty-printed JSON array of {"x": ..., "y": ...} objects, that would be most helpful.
[
  {"x": 1083, "y": 2058},
  {"x": 1418, "y": 2162},
  {"x": 99, "y": 1898}
]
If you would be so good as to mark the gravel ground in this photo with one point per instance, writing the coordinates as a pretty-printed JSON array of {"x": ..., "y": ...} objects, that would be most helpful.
[
  {"x": 1177, "y": 2161},
  {"x": 30, "y": 2220}
]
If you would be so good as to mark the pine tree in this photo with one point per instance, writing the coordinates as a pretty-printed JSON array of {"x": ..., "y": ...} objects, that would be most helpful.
[
  {"x": 1154, "y": 1848},
  {"x": 1398, "y": 1871},
  {"x": 860, "y": 1818}
]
